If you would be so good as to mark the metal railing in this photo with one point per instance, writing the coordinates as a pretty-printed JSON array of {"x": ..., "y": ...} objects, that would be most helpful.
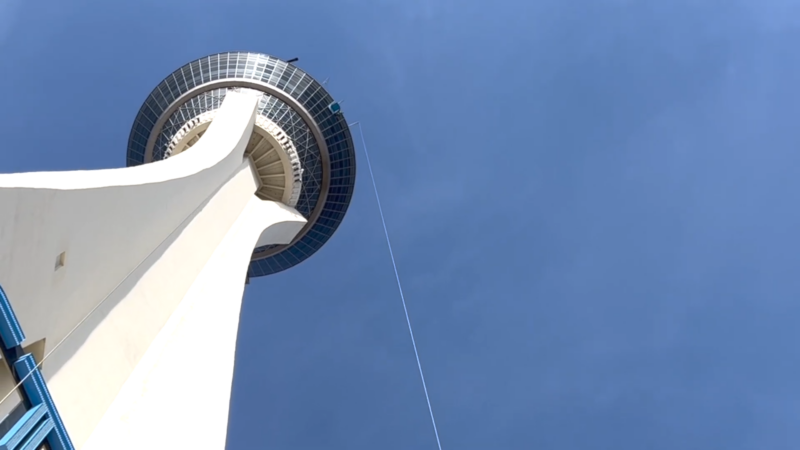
[{"x": 40, "y": 425}]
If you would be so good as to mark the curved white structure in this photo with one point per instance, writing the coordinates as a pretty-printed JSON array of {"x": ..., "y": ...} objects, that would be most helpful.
[{"x": 136, "y": 275}]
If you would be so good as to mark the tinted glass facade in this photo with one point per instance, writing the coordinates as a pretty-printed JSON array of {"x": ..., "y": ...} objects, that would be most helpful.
[{"x": 170, "y": 100}]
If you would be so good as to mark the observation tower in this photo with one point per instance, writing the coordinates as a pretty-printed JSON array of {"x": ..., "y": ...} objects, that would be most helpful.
[{"x": 128, "y": 282}]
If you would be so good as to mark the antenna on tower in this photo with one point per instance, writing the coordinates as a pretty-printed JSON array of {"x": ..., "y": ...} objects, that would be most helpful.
[
  {"x": 293, "y": 60},
  {"x": 325, "y": 81}
]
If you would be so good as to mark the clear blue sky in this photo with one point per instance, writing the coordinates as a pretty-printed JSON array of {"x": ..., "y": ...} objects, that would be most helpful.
[{"x": 594, "y": 206}]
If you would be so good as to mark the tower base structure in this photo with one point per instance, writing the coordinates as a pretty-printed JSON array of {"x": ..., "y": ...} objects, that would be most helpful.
[{"x": 128, "y": 284}]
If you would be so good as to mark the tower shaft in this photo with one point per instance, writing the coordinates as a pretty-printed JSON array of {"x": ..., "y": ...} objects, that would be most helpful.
[{"x": 137, "y": 275}]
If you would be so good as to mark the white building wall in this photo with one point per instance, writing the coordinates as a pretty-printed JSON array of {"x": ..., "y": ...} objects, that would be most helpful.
[{"x": 142, "y": 241}]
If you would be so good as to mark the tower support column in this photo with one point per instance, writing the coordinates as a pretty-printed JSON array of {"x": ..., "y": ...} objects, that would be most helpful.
[
  {"x": 144, "y": 302},
  {"x": 180, "y": 390}
]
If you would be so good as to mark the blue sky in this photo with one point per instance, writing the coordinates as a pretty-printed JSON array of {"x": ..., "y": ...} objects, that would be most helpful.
[{"x": 593, "y": 206}]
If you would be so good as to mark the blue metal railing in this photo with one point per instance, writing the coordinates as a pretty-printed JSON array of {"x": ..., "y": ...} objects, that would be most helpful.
[{"x": 41, "y": 422}]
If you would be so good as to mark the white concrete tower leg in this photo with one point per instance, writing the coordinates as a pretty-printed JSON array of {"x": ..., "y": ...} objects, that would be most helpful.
[
  {"x": 163, "y": 243},
  {"x": 179, "y": 393}
]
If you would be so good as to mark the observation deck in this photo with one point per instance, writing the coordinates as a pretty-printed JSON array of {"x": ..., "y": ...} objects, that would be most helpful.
[{"x": 301, "y": 144}]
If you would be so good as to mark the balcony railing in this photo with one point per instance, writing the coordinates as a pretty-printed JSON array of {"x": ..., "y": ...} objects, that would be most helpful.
[{"x": 34, "y": 424}]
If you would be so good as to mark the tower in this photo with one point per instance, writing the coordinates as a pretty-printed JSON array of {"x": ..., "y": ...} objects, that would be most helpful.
[{"x": 128, "y": 282}]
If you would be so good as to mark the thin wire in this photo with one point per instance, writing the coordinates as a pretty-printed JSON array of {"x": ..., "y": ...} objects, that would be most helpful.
[
  {"x": 399, "y": 286},
  {"x": 89, "y": 314}
]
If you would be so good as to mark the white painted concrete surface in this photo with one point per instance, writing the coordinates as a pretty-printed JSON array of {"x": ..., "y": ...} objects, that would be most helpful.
[
  {"x": 165, "y": 248},
  {"x": 179, "y": 392}
]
